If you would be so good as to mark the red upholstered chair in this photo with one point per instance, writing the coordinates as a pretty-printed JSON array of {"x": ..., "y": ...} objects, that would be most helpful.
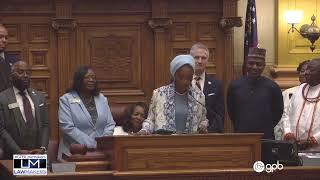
[
  {"x": 118, "y": 112},
  {"x": 1, "y": 153},
  {"x": 53, "y": 150}
]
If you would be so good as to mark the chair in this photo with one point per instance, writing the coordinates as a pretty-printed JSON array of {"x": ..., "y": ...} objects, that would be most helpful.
[{"x": 118, "y": 112}]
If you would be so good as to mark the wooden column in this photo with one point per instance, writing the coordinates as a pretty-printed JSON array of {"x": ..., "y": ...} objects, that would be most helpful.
[
  {"x": 227, "y": 22},
  {"x": 64, "y": 25},
  {"x": 159, "y": 24}
]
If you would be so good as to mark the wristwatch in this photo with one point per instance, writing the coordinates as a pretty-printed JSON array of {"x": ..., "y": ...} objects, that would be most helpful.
[{"x": 44, "y": 149}]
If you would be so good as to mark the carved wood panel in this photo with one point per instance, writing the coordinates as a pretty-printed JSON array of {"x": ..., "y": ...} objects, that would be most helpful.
[
  {"x": 129, "y": 43},
  {"x": 155, "y": 158},
  {"x": 114, "y": 57},
  {"x": 200, "y": 26},
  {"x": 121, "y": 54}
]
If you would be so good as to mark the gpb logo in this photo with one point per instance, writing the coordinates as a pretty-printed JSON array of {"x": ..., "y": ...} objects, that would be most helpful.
[{"x": 259, "y": 166}]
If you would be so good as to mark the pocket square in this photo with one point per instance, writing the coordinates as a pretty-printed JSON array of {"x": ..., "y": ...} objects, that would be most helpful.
[
  {"x": 13, "y": 105},
  {"x": 41, "y": 105},
  {"x": 211, "y": 94}
]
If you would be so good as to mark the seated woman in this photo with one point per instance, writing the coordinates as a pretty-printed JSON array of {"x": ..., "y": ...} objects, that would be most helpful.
[
  {"x": 135, "y": 114},
  {"x": 177, "y": 107},
  {"x": 84, "y": 113}
]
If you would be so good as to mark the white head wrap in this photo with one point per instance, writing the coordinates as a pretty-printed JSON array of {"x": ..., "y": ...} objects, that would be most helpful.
[{"x": 179, "y": 61}]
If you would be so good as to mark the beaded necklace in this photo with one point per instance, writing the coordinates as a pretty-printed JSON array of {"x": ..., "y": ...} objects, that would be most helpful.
[{"x": 311, "y": 100}]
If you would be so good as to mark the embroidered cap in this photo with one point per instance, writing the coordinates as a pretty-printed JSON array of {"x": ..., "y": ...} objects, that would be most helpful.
[{"x": 256, "y": 52}]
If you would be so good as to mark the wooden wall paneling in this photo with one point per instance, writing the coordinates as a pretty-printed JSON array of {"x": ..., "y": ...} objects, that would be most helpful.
[
  {"x": 41, "y": 57},
  {"x": 159, "y": 23},
  {"x": 64, "y": 25},
  {"x": 56, "y": 36},
  {"x": 229, "y": 11},
  {"x": 32, "y": 40},
  {"x": 197, "y": 28},
  {"x": 201, "y": 24},
  {"x": 120, "y": 49},
  {"x": 114, "y": 53}
]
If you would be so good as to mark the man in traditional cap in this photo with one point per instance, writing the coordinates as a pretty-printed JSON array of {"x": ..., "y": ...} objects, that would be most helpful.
[
  {"x": 254, "y": 102},
  {"x": 211, "y": 88},
  {"x": 177, "y": 107},
  {"x": 302, "y": 121}
]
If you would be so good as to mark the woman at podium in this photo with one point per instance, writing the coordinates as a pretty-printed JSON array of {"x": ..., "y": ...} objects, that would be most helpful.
[{"x": 177, "y": 107}]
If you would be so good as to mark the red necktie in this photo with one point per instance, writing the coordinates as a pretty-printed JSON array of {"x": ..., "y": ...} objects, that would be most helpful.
[
  {"x": 27, "y": 109},
  {"x": 198, "y": 82}
]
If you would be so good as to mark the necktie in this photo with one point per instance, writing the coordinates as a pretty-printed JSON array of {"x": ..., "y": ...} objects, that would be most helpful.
[
  {"x": 27, "y": 109},
  {"x": 198, "y": 82}
]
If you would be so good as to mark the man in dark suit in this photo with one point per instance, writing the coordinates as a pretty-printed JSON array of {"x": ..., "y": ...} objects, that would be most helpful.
[
  {"x": 6, "y": 60},
  {"x": 24, "y": 126},
  {"x": 211, "y": 88}
]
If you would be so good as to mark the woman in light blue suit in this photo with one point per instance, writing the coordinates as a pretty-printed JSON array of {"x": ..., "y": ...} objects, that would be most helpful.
[{"x": 84, "y": 113}]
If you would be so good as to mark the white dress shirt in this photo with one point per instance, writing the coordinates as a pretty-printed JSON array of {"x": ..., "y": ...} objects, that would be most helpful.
[
  {"x": 118, "y": 131},
  {"x": 2, "y": 55},
  {"x": 201, "y": 81},
  {"x": 20, "y": 102},
  {"x": 278, "y": 129}
]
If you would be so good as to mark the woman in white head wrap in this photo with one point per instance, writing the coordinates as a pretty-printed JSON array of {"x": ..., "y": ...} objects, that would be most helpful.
[{"x": 174, "y": 107}]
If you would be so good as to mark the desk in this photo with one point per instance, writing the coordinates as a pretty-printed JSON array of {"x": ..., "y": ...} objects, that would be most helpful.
[
  {"x": 181, "y": 152},
  {"x": 288, "y": 173},
  {"x": 181, "y": 157},
  {"x": 296, "y": 173}
]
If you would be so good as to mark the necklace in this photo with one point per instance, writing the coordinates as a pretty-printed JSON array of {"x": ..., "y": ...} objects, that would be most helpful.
[
  {"x": 315, "y": 99},
  {"x": 180, "y": 93},
  {"x": 87, "y": 100},
  {"x": 311, "y": 100}
]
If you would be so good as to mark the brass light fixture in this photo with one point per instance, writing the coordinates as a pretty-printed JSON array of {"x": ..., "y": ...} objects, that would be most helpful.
[{"x": 310, "y": 32}]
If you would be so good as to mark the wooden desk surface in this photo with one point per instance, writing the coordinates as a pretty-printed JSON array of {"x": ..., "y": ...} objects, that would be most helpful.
[
  {"x": 288, "y": 173},
  {"x": 182, "y": 151}
]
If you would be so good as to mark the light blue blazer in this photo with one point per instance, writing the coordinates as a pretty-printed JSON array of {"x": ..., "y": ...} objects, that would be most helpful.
[{"x": 76, "y": 125}]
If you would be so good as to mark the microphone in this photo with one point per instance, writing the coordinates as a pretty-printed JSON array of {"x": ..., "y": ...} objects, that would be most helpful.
[
  {"x": 211, "y": 111},
  {"x": 190, "y": 94},
  {"x": 208, "y": 109},
  {"x": 163, "y": 132}
]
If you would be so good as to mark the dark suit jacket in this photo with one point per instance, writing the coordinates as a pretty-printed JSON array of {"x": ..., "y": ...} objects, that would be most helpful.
[
  {"x": 5, "y": 174},
  {"x": 213, "y": 91},
  {"x": 10, "y": 114},
  {"x": 5, "y": 68}
]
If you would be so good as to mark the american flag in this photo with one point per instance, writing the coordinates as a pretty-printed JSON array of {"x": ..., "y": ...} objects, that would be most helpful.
[{"x": 250, "y": 32}]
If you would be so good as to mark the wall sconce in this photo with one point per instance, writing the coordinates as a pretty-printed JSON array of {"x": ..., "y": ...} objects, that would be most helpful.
[{"x": 311, "y": 32}]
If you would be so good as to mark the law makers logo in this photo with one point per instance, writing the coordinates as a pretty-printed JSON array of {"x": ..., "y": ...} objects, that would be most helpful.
[{"x": 29, "y": 164}]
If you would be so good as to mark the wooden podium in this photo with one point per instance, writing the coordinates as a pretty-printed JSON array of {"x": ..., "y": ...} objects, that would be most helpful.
[{"x": 181, "y": 152}]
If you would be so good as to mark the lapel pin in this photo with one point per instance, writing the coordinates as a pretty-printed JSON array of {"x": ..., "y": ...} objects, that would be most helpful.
[
  {"x": 75, "y": 100},
  {"x": 209, "y": 82}
]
